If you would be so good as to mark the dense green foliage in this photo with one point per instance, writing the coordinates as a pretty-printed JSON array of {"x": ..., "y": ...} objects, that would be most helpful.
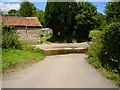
[
  {"x": 105, "y": 48},
  {"x": 27, "y": 9},
  {"x": 40, "y": 15},
  {"x": 12, "y": 12},
  {"x": 104, "y": 51},
  {"x": 94, "y": 48},
  {"x": 10, "y": 39},
  {"x": 113, "y": 12},
  {"x": 94, "y": 33},
  {"x": 70, "y": 20},
  {"x": 109, "y": 53},
  {"x": 85, "y": 20},
  {"x": 100, "y": 21},
  {"x": 59, "y": 16}
]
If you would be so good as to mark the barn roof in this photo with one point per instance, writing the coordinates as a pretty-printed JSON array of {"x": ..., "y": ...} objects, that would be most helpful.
[{"x": 20, "y": 21}]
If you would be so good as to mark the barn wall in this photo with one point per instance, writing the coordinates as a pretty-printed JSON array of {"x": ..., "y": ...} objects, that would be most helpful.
[{"x": 28, "y": 34}]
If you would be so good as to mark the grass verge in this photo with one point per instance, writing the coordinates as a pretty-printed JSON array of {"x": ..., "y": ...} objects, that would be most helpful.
[
  {"x": 112, "y": 75},
  {"x": 115, "y": 77},
  {"x": 13, "y": 59}
]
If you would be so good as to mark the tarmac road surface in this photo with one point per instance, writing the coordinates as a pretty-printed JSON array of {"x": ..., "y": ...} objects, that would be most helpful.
[{"x": 59, "y": 71}]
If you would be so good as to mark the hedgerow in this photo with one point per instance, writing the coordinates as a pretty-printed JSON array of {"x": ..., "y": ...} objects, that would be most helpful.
[{"x": 104, "y": 51}]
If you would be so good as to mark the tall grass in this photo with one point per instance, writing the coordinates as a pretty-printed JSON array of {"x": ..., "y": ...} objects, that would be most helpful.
[{"x": 13, "y": 59}]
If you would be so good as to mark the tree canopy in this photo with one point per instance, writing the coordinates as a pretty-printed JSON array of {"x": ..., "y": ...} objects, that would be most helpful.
[
  {"x": 113, "y": 11},
  {"x": 40, "y": 15},
  {"x": 59, "y": 16},
  {"x": 12, "y": 12},
  {"x": 27, "y": 9},
  {"x": 85, "y": 13},
  {"x": 100, "y": 21}
]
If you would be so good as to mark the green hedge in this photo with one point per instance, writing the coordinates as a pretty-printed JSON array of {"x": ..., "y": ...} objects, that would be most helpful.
[
  {"x": 105, "y": 49},
  {"x": 104, "y": 52},
  {"x": 109, "y": 53}
]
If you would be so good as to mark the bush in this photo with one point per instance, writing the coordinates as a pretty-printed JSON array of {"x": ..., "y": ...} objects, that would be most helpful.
[
  {"x": 94, "y": 33},
  {"x": 105, "y": 49},
  {"x": 109, "y": 53},
  {"x": 104, "y": 52},
  {"x": 93, "y": 51},
  {"x": 10, "y": 39}
]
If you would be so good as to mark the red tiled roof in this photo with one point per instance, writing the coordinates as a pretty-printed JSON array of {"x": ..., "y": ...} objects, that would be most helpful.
[{"x": 20, "y": 21}]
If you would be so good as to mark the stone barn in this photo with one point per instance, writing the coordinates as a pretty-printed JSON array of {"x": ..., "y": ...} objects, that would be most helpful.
[{"x": 28, "y": 28}]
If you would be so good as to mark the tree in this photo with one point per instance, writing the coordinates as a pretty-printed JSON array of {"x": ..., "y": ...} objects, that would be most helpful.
[
  {"x": 113, "y": 11},
  {"x": 100, "y": 21},
  {"x": 85, "y": 13},
  {"x": 40, "y": 15},
  {"x": 12, "y": 12},
  {"x": 27, "y": 9},
  {"x": 59, "y": 16}
]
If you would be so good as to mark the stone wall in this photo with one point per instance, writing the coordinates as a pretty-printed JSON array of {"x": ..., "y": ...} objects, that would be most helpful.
[{"x": 28, "y": 34}]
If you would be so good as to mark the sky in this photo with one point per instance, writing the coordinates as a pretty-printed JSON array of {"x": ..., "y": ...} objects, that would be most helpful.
[{"x": 6, "y": 6}]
